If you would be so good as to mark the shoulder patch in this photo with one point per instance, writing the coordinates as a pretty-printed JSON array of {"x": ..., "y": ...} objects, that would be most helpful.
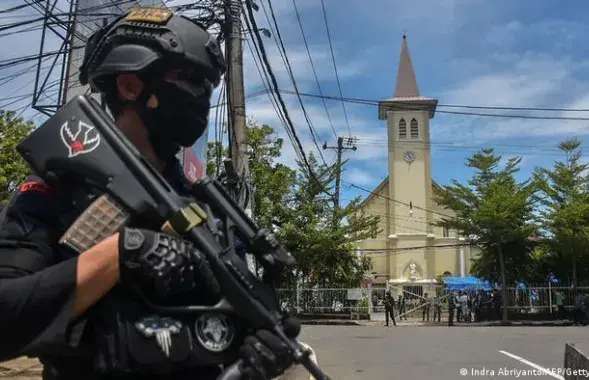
[{"x": 35, "y": 187}]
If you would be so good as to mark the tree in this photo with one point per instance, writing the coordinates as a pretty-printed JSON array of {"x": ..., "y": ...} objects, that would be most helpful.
[
  {"x": 565, "y": 198},
  {"x": 272, "y": 181},
  {"x": 13, "y": 169},
  {"x": 299, "y": 209},
  {"x": 323, "y": 248},
  {"x": 215, "y": 155},
  {"x": 499, "y": 211}
]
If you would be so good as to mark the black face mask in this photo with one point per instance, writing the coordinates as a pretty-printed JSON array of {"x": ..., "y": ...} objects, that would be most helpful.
[{"x": 180, "y": 117}]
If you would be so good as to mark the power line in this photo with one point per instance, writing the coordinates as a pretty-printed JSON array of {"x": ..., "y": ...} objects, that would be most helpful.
[
  {"x": 516, "y": 116},
  {"x": 262, "y": 71},
  {"x": 408, "y": 104},
  {"x": 256, "y": 32},
  {"x": 399, "y": 202},
  {"x": 503, "y": 149},
  {"x": 515, "y": 108},
  {"x": 410, "y": 107},
  {"x": 313, "y": 67},
  {"x": 339, "y": 86},
  {"x": 291, "y": 74},
  {"x": 397, "y": 251},
  {"x": 453, "y": 144},
  {"x": 15, "y": 8}
]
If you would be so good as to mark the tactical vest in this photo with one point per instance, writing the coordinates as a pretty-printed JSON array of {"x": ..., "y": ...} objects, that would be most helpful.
[{"x": 121, "y": 337}]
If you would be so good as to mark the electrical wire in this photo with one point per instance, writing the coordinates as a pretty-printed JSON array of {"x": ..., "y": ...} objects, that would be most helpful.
[
  {"x": 396, "y": 251},
  {"x": 271, "y": 95},
  {"x": 256, "y": 31},
  {"x": 275, "y": 96},
  {"x": 463, "y": 146},
  {"x": 313, "y": 67},
  {"x": 280, "y": 44},
  {"x": 398, "y": 201},
  {"x": 15, "y": 8},
  {"x": 411, "y": 107},
  {"x": 339, "y": 86}
]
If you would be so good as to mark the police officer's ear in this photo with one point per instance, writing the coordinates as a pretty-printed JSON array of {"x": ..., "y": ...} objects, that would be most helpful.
[{"x": 129, "y": 87}]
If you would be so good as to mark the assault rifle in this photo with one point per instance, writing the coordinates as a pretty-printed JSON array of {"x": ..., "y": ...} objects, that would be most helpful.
[{"x": 93, "y": 148}]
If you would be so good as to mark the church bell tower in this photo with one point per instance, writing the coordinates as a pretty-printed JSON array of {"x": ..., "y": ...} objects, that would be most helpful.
[{"x": 409, "y": 166}]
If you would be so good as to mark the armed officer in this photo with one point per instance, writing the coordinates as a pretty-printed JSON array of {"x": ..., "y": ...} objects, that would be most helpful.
[{"x": 156, "y": 71}]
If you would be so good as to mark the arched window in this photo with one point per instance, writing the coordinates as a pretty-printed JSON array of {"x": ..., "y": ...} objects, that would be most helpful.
[
  {"x": 402, "y": 129},
  {"x": 445, "y": 232},
  {"x": 414, "y": 129}
]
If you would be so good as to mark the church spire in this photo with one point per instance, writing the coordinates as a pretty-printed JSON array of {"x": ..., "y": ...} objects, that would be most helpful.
[{"x": 406, "y": 86}]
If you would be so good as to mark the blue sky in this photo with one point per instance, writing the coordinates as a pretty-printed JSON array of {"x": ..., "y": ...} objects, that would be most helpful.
[{"x": 468, "y": 52}]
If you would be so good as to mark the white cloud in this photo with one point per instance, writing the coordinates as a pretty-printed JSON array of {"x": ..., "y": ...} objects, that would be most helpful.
[
  {"x": 558, "y": 34},
  {"x": 301, "y": 67},
  {"x": 528, "y": 81},
  {"x": 360, "y": 177}
]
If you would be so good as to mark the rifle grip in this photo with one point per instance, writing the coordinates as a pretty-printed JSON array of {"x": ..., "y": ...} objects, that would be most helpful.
[{"x": 101, "y": 219}]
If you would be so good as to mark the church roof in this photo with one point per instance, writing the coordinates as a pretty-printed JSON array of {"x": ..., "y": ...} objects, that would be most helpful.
[
  {"x": 406, "y": 86},
  {"x": 406, "y": 89}
]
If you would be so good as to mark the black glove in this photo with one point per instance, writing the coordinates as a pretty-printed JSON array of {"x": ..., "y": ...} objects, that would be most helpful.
[
  {"x": 265, "y": 356},
  {"x": 163, "y": 265}
]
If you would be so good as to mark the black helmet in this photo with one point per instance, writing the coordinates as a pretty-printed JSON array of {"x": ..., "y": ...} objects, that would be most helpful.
[
  {"x": 153, "y": 43},
  {"x": 146, "y": 36}
]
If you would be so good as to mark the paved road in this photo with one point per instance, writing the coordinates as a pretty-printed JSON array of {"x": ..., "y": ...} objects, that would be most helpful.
[{"x": 439, "y": 353}]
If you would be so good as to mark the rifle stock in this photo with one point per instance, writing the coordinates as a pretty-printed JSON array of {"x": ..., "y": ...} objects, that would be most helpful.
[{"x": 95, "y": 149}]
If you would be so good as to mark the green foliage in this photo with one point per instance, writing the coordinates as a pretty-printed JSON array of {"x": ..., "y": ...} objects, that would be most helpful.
[
  {"x": 215, "y": 155},
  {"x": 300, "y": 211},
  {"x": 499, "y": 211},
  {"x": 565, "y": 213},
  {"x": 321, "y": 239},
  {"x": 272, "y": 181},
  {"x": 13, "y": 169}
]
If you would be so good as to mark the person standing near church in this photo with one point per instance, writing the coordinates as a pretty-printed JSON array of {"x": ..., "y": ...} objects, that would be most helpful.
[
  {"x": 389, "y": 308},
  {"x": 401, "y": 305},
  {"x": 451, "y": 308},
  {"x": 426, "y": 303},
  {"x": 438, "y": 308},
  {"x": 560, "y": 305}
]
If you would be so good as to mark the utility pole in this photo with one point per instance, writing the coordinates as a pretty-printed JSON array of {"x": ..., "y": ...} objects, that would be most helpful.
[
  {"x": 349, "y": 143},
  {"x": 236, "y": 100}
]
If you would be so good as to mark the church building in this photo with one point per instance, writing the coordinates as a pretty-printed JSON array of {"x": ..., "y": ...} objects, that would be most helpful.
[{"x": 409, "y": 251}]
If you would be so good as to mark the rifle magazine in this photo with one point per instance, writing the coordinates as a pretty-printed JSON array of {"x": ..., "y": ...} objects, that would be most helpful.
[{"x": 100, "y": 220}]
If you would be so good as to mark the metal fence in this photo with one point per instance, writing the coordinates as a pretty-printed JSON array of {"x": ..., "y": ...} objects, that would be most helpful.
[
  {"x": 334, "y": 300},
  {"x": 325, "y": 300}
]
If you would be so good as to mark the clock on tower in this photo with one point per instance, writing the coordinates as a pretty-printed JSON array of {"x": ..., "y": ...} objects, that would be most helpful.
[{"x": 409, "y": 156}]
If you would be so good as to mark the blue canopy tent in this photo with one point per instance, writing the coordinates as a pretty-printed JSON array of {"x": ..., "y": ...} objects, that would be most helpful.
[{"x": 466, "y": 283}]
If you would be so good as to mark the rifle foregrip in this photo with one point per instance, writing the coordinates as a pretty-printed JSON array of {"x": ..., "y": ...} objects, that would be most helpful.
[{"x": 100, "y": 220}]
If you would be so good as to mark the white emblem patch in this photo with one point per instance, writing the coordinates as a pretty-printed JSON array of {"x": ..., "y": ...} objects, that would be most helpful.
[
  {"x": 214, "y": 332},
  {"x": 79, "y": 139},
  {"x": 160, "y": 328}
]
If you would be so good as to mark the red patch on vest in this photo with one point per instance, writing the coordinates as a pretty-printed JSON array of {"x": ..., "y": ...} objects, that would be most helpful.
[{"x": 35, "y": 187}]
